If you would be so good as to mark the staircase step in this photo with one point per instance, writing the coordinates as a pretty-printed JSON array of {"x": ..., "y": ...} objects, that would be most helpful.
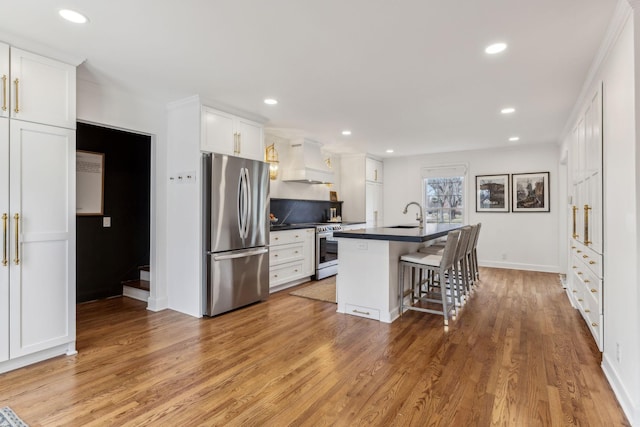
[
  {"x": 144, "y": 268},
  {"x": 145, "y": 272},
  {"x": 136, "y": 289},
  {"x": 138, "y": 284}
]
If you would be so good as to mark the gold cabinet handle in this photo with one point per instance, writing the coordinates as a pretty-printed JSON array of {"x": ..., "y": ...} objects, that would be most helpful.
[
  {"x": 575, "y": 235},
  {"x": 575, "y": 292},
  {"x": 594, "y": 290},
  {"x": 16, "y": 260},
  {"x": 573, "y": 266},
  {"x": 587, "y": 281},
  {"x": 579, "y": 251},
  {"x": 594, "y": 324},
  {"x": 5, "y": 218},
  {"x": 585, "y": 256},
  {"x": 580, "y": 299},
  {"x": 239, "y": 143},
  {"x": 579, "y": 273},
  {"x": 586, "y": 310},
  {"x": 592, "y": 262},
  {"x": 4, "y": 92},
  {"x": 587, "y": 208},
  {"x": 573, "y": 247},
  {"x": 17, "y": 107},
  {"x": 375, "y": 172}
]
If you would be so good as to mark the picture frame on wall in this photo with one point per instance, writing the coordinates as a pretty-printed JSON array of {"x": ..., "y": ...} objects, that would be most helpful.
[
  {"x": 492, "y": 193},
  {"x": 530, "y": 192},
  {"x": 89, "y": 183}
]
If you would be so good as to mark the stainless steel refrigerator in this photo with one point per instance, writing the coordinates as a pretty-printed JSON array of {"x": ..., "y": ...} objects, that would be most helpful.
[{"x": 236, "y": 226}]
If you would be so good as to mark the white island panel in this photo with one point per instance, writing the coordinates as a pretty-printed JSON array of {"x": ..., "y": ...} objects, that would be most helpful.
[{"x": 367, "y": 281}]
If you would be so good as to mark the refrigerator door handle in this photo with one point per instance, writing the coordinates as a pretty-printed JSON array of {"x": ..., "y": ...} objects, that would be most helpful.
[
  {"x": 244, "y": 203},
  {"x": 242, "y": 254}
]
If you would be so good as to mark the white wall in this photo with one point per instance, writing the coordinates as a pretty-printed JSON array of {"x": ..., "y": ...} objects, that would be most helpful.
[
  {"x": 527, "y": 241},
  {"x": 109, "y": 106}
]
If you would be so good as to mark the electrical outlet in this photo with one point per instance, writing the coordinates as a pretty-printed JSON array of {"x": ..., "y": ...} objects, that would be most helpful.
[{"x": 106, "y": 221}]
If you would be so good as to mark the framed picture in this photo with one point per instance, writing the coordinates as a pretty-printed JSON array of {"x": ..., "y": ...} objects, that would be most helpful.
[
  {"x": 530, "y": 192},
  {"x": 333, "y": 196},
  {"x": 492, "y": 193},
  {"x": 89, "y": 183}
]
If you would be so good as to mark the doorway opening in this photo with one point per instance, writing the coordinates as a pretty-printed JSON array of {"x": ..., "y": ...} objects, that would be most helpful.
[{"x": 113, "y": 249}]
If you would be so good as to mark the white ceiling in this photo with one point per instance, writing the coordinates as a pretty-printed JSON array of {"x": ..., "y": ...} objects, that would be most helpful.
[{"x": 410, "y": 75}]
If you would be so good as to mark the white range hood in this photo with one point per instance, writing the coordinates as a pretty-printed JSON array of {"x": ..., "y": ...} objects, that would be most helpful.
[{"x": 306, "y": 164}]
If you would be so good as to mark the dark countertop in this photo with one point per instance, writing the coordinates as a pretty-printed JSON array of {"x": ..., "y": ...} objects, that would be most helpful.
[
  {"x": 417, "y": 235},
  {"x": 280, "y": 227}
]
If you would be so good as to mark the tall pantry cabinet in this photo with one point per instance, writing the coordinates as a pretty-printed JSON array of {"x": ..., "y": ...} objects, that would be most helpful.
[
  {"x": 37, "y": 208},
  {"x": 585, "y": 282}
]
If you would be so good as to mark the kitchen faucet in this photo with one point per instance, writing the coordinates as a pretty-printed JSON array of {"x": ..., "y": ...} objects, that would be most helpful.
[{"x": 419, "y": 215}]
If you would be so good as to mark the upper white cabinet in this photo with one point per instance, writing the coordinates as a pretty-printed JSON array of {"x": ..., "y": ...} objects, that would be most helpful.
[
  {"x": 225, "y": 133},
  {"x": 37, "y": 89},
  {"x": 362, "y": 189},
  {"x": 373, "y": 170}
]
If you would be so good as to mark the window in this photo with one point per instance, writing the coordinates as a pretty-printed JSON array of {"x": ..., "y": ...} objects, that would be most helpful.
[{"x": 443, "y": 195}]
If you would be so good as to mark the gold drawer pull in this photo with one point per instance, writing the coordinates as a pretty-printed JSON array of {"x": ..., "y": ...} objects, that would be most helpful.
[
  {"x": 573, "y": 247},
  {"x": 592, "y": 262},
  {"x": 586, "y": 310},
  {"x": 275, "y": 255},
  {"x": 17, "y": 109},
  {"x": 362, "y": 312},
  {"x": 594, "y": 290},
  {"x": 579, "y": 251},
  {"x": 573, "y": 266},
  {"x": 579, "y": 273},
  {"x": 295, "y": 271},
  {"x": 275, "y": 275},
  {"x": 575, "y": 292},
  {"x": 275, "y": 238},
  {"x": 594, "y": 324},
  {"x": 580, "y": 300},
  {"x": 587, "y": 281},
  {"x": 585, "y": 256}
]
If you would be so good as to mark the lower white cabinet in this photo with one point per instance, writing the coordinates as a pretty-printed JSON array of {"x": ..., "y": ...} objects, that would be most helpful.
[
  {"x": 585, "y": 288},
  {"x": 37, "y": 268},
  {"x": 291, "y": 257}
]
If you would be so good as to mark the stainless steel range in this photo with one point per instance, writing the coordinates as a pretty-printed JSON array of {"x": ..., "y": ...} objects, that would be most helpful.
[{"x": 326, "y": 250}]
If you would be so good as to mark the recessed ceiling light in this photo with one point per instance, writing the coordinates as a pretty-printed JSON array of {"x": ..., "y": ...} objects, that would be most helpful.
[
  {"x": 346, "y": 132},
  {"x": 508, "y": 110},
  {"x": 389, "y": 151},
  {"x": 270, "y": 101},
  {"x": 495, "y": 48},
  {"x": 73, "y": 16},
  {"x": 514, "y": 139}
]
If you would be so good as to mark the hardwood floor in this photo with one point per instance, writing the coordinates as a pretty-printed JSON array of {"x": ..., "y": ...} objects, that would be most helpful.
[{"x": 517, "y": 355}]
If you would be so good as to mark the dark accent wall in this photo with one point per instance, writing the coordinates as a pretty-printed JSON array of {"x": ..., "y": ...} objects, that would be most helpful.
[
  {"x": 108, "y": 256},
  {"x": 295, "y": 211}
]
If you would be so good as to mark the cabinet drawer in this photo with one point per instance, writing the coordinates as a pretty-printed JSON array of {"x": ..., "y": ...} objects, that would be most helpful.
[
  {"x": 286, "y": 253},
  {"x": 591, "y": 259},
  {"x": 285, "y": 273},
  {"x": 356, "y": 310},
  {"x": 288, "y": 236}
]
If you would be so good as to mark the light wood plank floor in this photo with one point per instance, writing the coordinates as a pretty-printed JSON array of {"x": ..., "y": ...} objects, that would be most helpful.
[{"x": 517, "y": 355}]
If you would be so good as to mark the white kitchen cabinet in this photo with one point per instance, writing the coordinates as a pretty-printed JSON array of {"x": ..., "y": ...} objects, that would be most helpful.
[
  {"x": 291, "y": 257},
  {"x": 225, "y": 133},
  {"x": 373, "y": 203},
  {"x": 373, "y": 170},
  {"x": 37, "y": 209},
  {"x": 585, "y": 275},
  {"x": 362, "y": 193},
  {"x": 37, "y": 89}
]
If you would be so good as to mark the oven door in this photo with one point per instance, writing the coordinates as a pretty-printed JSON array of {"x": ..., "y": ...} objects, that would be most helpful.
[{"x": 326, "y": 255}]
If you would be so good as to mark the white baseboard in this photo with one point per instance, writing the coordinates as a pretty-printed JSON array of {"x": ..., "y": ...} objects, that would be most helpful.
[
  {"x": 157, "y": 304},
  {"x": 631, "y": 410},
  {"x": 68, "y": 349},
  {"x": 518, "y": 266}
]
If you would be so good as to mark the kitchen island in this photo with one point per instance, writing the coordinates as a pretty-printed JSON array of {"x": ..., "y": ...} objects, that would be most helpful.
[{"x": 367, "y": 281}]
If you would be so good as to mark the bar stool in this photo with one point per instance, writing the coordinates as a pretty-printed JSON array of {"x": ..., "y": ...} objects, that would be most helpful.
[
  {"x": 460, "y": 277},
  {"x": 436, "y": 269},
  {"x": 474, "y": 254}
]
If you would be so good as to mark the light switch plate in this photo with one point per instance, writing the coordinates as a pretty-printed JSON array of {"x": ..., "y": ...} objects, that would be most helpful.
[{"x": 106, "y": 221}]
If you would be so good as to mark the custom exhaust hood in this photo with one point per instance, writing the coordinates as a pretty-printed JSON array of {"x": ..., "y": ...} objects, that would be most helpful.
[{"x": 306, "y": 164}]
